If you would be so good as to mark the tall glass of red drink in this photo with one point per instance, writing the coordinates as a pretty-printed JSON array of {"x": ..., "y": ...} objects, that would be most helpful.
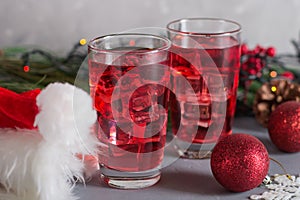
[
  {"x": 129, "y": 75},
  {"x": 206, "y": 52}
]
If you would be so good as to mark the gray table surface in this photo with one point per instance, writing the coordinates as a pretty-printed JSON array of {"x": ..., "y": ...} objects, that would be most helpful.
[{"x": 192, "y": 179}]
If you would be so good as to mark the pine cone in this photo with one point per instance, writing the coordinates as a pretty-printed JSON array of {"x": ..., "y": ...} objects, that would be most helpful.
[{"x": 270, "y": 95}]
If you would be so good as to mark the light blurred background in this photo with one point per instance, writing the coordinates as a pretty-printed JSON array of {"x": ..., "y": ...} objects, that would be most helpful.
[{"x": 57, "y": 24}]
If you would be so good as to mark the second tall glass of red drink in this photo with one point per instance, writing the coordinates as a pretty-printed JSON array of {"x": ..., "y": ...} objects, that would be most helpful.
[{"x": 206, "y": 55}]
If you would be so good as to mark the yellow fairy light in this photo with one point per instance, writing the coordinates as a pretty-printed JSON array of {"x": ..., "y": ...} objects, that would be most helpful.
[
  {"x": 273, "y": 74},
  {"x": 82, "y": 41},
  {"x": 273, "y": 88}
]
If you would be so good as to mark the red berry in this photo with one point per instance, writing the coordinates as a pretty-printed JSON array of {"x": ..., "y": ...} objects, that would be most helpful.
[
  {"x": 251, "y": 52},
  {"x": 252, "y": 71},
  {"x": 288, "y": 75},
  {"x": 258, "y": 49},
  {"x": 259, "y": 74},
  {"x": 244, "y": 49},
  {"x": 259, "y": 66},
  {"x": 271, "y": 51},
  {"x": 258, "y": 60},
  {"x": 244, "y": 66},
  {"x": 252, "y": 60}
]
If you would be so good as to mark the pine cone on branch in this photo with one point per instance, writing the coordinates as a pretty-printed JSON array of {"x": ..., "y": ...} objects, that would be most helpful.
[{"x": 270, "y": 95}]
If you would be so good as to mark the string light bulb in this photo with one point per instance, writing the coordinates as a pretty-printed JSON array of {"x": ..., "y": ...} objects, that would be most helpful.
[
  {"x": 273, "y": 74},
  {"x": 82, "y": 41},
  {"x": 26, "y": 68},
  {"x": 273, "y": 88},
  {"x": 131, "y": 43}
]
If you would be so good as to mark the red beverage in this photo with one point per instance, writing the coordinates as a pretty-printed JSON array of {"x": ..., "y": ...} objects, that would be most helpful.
[
  {"x": 131, "y": 102},
  {"x": 205, "y": 59},
  {"x": 211, "y": 67},
  {"x": 129, "y": 75}
]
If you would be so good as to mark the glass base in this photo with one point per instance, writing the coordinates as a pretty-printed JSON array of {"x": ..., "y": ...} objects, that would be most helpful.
[
  {"x": 193, "y": 151},
  {"x": 129, "y": 180}
]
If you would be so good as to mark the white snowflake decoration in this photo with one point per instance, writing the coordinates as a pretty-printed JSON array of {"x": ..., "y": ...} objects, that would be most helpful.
[{"x": 280, "y": 187}]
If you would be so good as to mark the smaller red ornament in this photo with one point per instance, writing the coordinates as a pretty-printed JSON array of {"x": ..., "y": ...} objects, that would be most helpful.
[
  {"x": 239, "y": 162},
  {"x": 284, "y": 126}
]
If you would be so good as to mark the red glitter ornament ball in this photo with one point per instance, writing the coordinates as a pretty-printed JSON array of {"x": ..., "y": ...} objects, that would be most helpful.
[
  {"x": 284, "y": 126},
  {"x": 240, "y": 162}
]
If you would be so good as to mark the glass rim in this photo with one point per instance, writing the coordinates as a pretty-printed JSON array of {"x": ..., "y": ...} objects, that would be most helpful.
[
  {"x": 164, "y": 47},
  {"x": 233, "y": 31}
]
